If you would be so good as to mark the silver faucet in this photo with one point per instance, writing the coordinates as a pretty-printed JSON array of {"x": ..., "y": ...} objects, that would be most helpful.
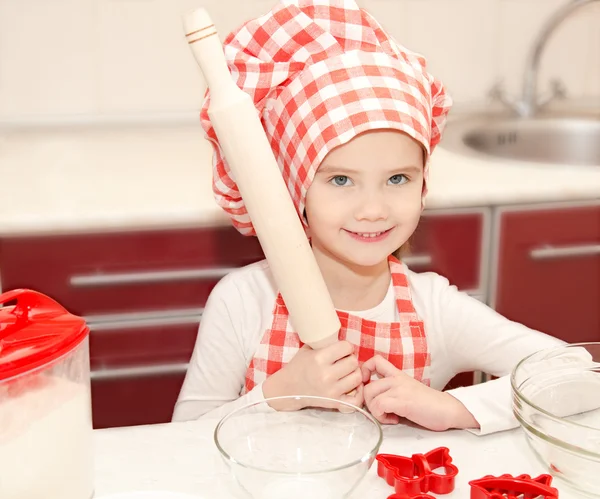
[{"x": 529, "y": 103}]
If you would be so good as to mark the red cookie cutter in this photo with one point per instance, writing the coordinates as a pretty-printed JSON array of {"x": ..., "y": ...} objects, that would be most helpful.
[
  {"x": 414, "y": 477},
  {"x": 507, "y": 486}
]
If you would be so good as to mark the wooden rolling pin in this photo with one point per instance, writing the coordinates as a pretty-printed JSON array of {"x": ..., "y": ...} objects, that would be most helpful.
[{"x": 261, "y": 185}]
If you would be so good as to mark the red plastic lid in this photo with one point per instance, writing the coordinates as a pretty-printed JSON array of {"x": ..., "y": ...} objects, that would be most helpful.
[{"x": 35, "y": 332}]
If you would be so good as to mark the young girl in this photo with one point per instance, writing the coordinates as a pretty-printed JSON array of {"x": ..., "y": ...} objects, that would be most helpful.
[{"x": 352, "y": 118}]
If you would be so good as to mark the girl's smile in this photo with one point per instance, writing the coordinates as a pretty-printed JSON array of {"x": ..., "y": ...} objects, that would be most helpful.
[{"x": 369, "y": 237}]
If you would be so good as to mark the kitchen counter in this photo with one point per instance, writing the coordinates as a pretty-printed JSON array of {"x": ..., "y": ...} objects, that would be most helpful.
[
  {"x": 69, "y": 178},
  {"x": 181, "y": 457}
]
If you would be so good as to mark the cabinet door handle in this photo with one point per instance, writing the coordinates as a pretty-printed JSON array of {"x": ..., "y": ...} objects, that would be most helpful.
[
  {"x": 417, "y": 260},
  {"x": 111, "y": 279},
  {"x": 138, "y": 371},
  {"x": 135, "y": 320},
  {"x": 555, "y": 252}
]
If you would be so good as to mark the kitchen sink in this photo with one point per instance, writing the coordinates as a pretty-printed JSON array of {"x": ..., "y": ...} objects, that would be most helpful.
[{"x": 549, "y": 140}]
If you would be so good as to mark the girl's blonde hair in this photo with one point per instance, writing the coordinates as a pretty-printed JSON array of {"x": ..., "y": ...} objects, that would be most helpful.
[{"x": 402, "y": 251}]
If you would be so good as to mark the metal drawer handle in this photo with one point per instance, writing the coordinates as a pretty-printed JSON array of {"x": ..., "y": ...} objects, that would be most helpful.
[
  {"x": 92, "y": 280},
  {"x": 554, "y": 252},
  {"x": 417, "y": 260},
  {"x": 135, "y": 320},
  {"x": 138, "y": 372},
  {"x": 111, "y": 279}
]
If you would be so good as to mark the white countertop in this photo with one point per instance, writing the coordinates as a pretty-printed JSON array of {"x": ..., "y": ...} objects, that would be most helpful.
[
  {"x": 182, "y": 457},
  {"x": 110, "y": 177}
]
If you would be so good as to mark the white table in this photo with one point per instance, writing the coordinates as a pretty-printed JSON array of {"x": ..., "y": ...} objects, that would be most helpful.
[{"x": 181, "y": 457}]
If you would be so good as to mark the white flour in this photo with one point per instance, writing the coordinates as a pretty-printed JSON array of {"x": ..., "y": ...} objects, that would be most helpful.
[{"x": 46, "y": 441}]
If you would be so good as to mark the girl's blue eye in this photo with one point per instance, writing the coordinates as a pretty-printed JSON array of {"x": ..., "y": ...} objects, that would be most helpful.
[
  {"x": 340, "y": 180},
  {"x": 398, "y": 179}
]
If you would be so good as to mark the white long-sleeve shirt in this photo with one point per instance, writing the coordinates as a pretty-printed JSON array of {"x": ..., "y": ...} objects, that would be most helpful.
[{"x": 462, "y": 333}]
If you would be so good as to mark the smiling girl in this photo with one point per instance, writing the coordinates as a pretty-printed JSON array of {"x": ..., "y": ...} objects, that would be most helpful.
[{"x": 352, "y": 118}]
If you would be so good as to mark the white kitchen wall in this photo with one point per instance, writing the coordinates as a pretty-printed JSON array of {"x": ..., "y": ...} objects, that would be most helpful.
[
  {"x": 97, "y": 57},
  {"x": 473, "y": 44}
]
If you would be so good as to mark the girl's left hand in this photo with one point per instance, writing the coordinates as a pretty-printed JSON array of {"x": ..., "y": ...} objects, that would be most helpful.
[{"x": 396, "y": 395}]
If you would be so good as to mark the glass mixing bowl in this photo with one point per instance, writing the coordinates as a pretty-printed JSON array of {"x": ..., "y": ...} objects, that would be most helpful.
[
  {"x": 556, "y": 398},
  {"x": 317, "y": 453}
]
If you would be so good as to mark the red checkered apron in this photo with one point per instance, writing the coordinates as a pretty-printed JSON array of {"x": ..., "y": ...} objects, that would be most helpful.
[{"x": 403, "y": 343}]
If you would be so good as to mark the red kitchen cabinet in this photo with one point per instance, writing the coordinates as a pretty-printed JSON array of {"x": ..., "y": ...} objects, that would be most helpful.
[
  {"x": 142, "y": 271},
  {"x": 138, "y": 366},
  {"x": 548, "y": 271},
  {"x": 452, "y": 244},
  {"x": 168, "y": 340},
  {"x": 143, "y": 292},
  {"x": 131, "y": 397}
]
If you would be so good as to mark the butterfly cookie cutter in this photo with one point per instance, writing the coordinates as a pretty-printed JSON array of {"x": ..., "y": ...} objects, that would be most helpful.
[{"x": 415, "y": 477}]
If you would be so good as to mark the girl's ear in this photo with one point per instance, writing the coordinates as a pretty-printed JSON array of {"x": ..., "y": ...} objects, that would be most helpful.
[{"x": 307, "y": 229}]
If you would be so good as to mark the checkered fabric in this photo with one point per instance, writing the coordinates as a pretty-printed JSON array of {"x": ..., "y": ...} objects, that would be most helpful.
[
  {"x": 320, "y": 72},
  {"x": 403, "y": 343}
]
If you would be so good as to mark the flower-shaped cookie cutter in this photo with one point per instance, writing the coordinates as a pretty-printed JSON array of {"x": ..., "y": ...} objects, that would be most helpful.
[
  {"x": 414, "y": 477},
  {"x": 501, "y": 487}
]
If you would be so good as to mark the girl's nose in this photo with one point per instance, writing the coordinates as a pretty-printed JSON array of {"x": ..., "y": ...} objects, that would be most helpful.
[{"x": 372, "y": 207}]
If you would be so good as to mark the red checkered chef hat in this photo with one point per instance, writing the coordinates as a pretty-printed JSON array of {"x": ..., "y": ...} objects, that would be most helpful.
[{"x": 320, "y": 72}]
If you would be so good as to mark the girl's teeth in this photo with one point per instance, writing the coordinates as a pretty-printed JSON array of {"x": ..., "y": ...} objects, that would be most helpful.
[{"x": 375, "y": 234}]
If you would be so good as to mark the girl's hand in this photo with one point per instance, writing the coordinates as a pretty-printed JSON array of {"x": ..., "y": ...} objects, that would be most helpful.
[
  {"x": 330, "y": 372},
  {"x": 396, "y": 395}
]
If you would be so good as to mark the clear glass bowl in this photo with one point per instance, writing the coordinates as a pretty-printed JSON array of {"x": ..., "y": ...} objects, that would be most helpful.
[
  {"x": 556, "y": 398},
  {"x": 317, "y": 453}
]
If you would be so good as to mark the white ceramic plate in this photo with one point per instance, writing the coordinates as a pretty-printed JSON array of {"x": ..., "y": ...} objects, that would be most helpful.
[{"x": 151, "y": 495}]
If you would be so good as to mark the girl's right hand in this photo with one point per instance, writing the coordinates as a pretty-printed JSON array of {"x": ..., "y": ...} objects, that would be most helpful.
[{"x": 331, "y": 372}]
